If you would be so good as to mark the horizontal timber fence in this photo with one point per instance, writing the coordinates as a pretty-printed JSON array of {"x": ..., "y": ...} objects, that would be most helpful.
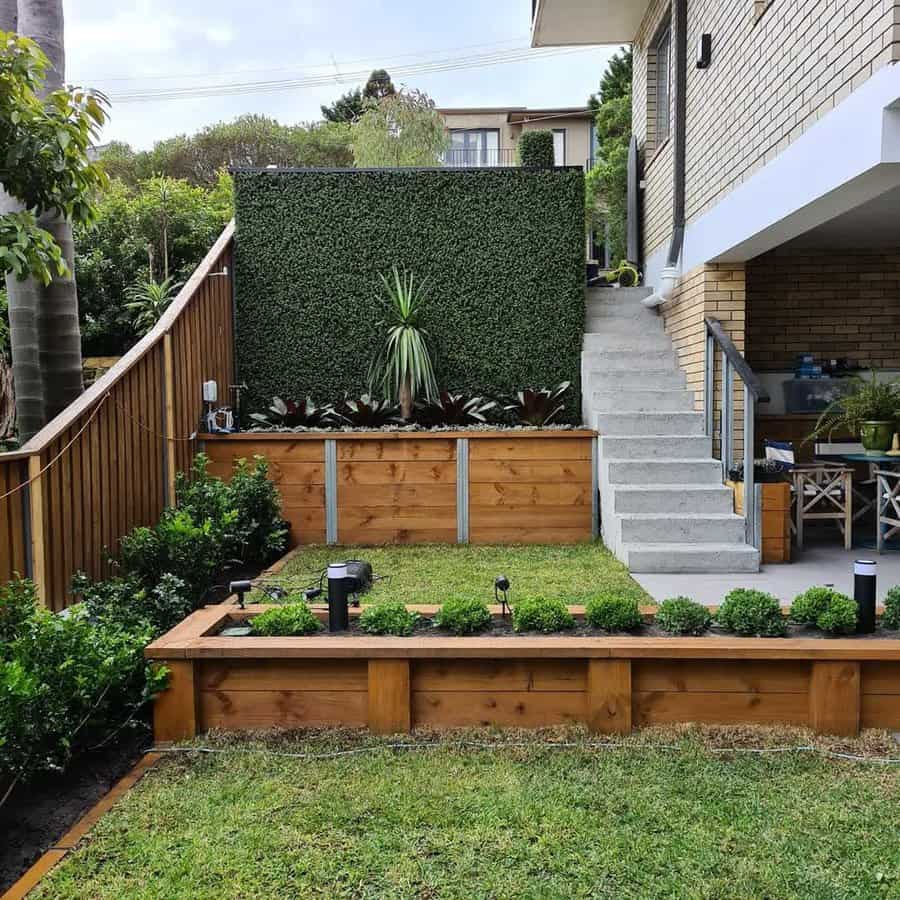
[
  {"x": 107, "y": 463},
  {"x": 480, "y": 487}
]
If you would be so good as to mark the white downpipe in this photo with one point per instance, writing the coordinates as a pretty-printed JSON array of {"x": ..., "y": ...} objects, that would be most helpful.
[{"x": 668, "y": 278}]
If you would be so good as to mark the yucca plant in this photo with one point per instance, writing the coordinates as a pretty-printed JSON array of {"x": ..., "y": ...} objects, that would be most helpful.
[
  {"x": 454, "y": 409},
  {"x": 365, "y": 412},
  {"x": 148, "y": 300},
  {"x": 402, "y": 368},
  {"x": 295, "y": 414},
  {"x": 539, "y": 407}
]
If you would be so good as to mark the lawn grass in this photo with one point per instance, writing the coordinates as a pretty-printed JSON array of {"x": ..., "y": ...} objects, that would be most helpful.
[
  {"x": 431, "y": 573},
  {"x": 657, "y": 816}
]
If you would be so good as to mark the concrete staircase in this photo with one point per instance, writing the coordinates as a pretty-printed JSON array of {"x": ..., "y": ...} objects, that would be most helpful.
[{"x": 662, "y": 502}]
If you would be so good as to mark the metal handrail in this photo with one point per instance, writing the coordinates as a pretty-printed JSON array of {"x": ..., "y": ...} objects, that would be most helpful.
[{"x": 733, "y": 363}]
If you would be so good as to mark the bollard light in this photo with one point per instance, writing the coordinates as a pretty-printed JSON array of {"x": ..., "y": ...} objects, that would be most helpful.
[
  {"x": 338, "y": 590},
  {"x": 864, "y": 579}
]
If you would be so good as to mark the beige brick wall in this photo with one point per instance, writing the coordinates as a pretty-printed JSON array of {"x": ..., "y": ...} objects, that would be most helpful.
[
  {"x": 715, "y": 291},
  {"x": 775, "y": 71},
  {"x": 833, "y": 303}
]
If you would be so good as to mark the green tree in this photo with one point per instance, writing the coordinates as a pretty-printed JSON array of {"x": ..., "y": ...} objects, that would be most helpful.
[
  {"x": 351, "y": 105},
  {"x": 606, "y": 185},
  {"x": 45, "y": 133},
  {"x": 402, "y": 129}
]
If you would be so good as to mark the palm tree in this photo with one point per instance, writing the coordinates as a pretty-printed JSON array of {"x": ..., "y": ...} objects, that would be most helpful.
[{"x": 148, "y": 300}]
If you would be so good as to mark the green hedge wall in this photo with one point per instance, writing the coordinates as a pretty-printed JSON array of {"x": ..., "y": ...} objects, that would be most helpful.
[{"x": 503, "y": 251}]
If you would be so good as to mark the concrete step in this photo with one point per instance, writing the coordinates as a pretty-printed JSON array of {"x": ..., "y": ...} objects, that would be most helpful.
[
  {"x": 681, "y": 528},
  {"x": 630, "y": 360},
  {"x": 691, "y": 446},
  {"x": 683, "y": 558},
  {"x": 663, "y": 471},
  {"x": 632, "y": 311},
  {"x": 649, "y": 424},
  {"x": 673, "y": 499},
  {"x": 614, "y": 294},
  {"x": 623, "y": 325},
  {"x": 603, "y": 380},
  {"x": 631, "y": 400},
  {"x": 635, "y": 341}
]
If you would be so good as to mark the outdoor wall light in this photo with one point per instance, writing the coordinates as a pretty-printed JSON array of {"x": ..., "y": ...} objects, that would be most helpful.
[
  {"x": 501, "y": 586},
  {"x": 704, "y": 51},
  {"x": 240, "y": 588}
]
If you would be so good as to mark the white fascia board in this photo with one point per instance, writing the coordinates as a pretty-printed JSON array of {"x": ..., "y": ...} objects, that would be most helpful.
[{"x": 570, "y": 23}]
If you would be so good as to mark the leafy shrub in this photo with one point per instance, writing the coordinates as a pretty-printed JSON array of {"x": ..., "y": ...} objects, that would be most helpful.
[
  {"x": 541, "y": 614},
  {"x": 749, "y": 612},
  {"x": 388, "y": 617},
  {"x": 366, "y": 412},
  {"x": 681, "y": 615},
  {"x": 295, "y": 414},
  {"x": 839, "y": 615},
  {"x": 463, "y": 615},
  {"x": 18, "y": 603},
  {"x": 891, "y": 617},
  {"x": 613, "y": 612},
  {"x": 290, "y": 620},
  {"x": 536, "y": 149},
  {"x": 454, "y": 409},
  {"x": 808, "y": 606},
  {"x": 124, "y": 603},
  {"x": 539, "y": 407}
]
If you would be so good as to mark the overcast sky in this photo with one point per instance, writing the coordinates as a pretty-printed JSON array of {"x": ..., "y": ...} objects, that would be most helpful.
[{"x": 124, "y": 48}]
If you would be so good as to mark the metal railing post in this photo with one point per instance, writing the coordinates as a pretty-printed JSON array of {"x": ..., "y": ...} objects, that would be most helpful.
[
  {"x": 727, "y": 416},
  {"x": 709, "y": 385},
  {"x": 749, "y": 482}
]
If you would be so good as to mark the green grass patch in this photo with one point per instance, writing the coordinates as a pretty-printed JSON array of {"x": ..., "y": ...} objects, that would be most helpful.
[
  {"x": 654, "y": 817},
  {"x": 432, "y": 573}
]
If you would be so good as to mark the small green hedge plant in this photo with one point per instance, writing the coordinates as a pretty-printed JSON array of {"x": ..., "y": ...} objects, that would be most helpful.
[
  {"x": 751, "y": 613},
  {"x": 541, "y": 614},
  {"x": 289, "y": 620},
  {"x": 808, "y": 606},
  {"x": 388, "y": 617},
  {"x": 463, "y": 615},
  {"x": 681, "y": 615},
  {"x": 613, "y": 612},
  {"x": 839, "y": 616},
  {"x": 536, "y": 149},
  {"x": 891, "y": 617}
]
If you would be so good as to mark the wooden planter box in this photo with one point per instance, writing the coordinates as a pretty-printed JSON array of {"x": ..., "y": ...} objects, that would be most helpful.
[
  {"x": 775, "y": 521},
  {"x": 612, "y": 684},
  {"x": 480, "y": 487}
]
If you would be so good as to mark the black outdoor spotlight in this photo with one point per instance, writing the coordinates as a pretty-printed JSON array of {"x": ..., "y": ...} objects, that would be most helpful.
[
  {"x": 240, "y": 588},
  {"x": 312, "y": 593},
  {"x": 864, "y": 578},
  {"x": 338, "y": 592},
  {"x": 501, "y": 586}
]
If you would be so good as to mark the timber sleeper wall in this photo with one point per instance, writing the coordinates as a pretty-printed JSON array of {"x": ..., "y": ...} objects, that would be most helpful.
[
  {"x": 427, "y": 487},
  {"x": 611, "y": 684}
]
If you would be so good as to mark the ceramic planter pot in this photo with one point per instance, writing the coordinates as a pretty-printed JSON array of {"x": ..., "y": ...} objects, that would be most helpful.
[{"x": 877, "y": 437}]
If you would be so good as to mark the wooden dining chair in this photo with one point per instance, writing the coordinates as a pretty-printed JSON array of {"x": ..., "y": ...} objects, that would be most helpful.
[
  {"x": 887, "y": 522},
  {"x": 823, "y": 492}
]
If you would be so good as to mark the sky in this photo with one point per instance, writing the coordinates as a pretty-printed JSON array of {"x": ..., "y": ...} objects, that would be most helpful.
[{"x": 131, "y": 48}]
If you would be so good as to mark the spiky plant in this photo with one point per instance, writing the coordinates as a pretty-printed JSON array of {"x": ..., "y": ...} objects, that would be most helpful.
[
  {"x": 148, "y": 300},
  {"x": 295, "y": 414},
  {"x": 539, "y": 407},
  {"x": 454, "y": 409},
  {"x": 402, "y": 368},
  {"x": 365, "y": 412}
]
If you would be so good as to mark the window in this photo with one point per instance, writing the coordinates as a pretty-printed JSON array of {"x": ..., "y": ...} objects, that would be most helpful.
[
  {"x": 473, "y": 147},
  {"x": 663, "y": 57},
  {"x": 559, "y": 146}
]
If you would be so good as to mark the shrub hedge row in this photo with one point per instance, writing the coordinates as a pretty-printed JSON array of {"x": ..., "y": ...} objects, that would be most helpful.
[{"x": 502, "y": 250}]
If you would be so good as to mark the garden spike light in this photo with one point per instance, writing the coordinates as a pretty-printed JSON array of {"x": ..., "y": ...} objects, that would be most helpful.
[{"x": 501, "y": 586}]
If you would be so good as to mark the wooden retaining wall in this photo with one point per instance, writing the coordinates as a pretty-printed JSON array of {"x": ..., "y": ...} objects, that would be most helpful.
[
  {"x": 427, "y": 487},
  {"x": 611, "y": 684}
]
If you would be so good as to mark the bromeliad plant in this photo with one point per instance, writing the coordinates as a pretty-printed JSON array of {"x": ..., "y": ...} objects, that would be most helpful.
[
  {"x": 366, "y": 412},
  {"x": 296, "y": 414},
  {"x": 539, "y": 407},
  {"x": 454, "y": 409},
  {"x": 403, "y": 366}
]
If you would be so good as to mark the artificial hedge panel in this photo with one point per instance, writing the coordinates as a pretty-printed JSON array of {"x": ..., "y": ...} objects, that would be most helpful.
[{"x": 502, "y": 249}]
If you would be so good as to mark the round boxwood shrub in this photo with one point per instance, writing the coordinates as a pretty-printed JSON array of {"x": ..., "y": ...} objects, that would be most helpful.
[
  {"x": 289, "y": 620},
  {"x": 839, "y": 615},
  {"x": 388, "y": 617},
  {"x": 541, "y": 614},
  {"x": 681, "y": 615},
  {"x": 613, "y": 612},
  {"x": 808, "y": 606},
  {"x": 751, "y": 613},
  {"x": 891, "y": 617},
  {"x": 463, "y": 615}
]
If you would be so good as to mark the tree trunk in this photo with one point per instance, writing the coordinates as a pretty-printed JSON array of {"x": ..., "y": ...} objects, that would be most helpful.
[
  {"x": 7, "y": 403},
  {"x": 406, "y": 400},
  {"x": 57, "y": 309}
]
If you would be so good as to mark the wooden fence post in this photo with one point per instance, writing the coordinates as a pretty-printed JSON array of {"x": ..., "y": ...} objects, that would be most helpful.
[
  {"x": 609, "y": 696},
  {"x": 38, "y": 548},
  {"x": 834, "y": 698},
  {"x": 390, "y": 706},
  {"x": 169, "y": 394}
]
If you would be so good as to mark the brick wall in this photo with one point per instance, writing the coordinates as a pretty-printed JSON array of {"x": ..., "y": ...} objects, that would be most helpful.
[
  {"x": 827, "y": 302},
  {"x": 776, "y": 69}
]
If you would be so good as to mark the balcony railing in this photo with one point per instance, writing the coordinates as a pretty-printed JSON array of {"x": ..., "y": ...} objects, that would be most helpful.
[{"x": 461, "y": 158}]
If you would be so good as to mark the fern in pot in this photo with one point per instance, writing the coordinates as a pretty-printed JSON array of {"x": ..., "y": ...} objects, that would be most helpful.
[{"x": 869, "y": 411}]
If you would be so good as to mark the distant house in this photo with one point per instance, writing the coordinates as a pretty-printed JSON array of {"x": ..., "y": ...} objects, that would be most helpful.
[{"x": 489, "y": 135}]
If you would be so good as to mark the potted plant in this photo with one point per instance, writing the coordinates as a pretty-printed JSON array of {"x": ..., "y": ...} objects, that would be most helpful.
[{"x": 869, "y": 411}]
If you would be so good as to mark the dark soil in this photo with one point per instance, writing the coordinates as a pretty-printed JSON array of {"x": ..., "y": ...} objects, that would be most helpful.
[{"x": 39, "y": 813}]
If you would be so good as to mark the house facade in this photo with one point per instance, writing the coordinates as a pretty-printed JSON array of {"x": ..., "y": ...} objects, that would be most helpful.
[{"x": 489, "y": 136}]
